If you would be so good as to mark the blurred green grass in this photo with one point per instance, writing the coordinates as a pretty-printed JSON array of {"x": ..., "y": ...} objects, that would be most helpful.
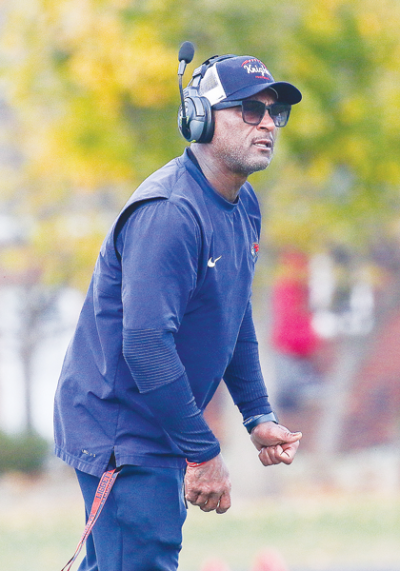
[
  {"x": 41, "y": 521},
  {"x": 321, "y": 531}
]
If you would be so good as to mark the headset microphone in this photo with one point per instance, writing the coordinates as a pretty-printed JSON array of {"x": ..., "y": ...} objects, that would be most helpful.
[{"x": 185, "y": 56}]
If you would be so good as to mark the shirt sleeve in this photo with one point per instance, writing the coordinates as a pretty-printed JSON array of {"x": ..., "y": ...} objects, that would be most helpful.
[
  {"x": 159, "y": 248},
  {"x": 243, "y": 375}
]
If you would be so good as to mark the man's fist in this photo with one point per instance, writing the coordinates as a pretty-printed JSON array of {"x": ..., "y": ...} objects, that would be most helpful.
[{"x": 275, "y": 443}]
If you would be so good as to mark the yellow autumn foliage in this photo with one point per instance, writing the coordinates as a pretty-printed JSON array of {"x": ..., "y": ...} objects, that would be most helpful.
[{"x": 93, "y": 88}]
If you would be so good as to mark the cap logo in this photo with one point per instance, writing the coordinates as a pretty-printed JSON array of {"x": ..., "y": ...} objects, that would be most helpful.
[{"x": 256, "y": 66}]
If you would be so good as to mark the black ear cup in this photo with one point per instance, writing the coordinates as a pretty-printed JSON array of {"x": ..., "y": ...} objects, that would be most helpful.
[{"x": 199, "y": 124}]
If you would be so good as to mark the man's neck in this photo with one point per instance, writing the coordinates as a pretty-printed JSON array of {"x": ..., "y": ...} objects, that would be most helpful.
[{"x": 224, "y": 181}]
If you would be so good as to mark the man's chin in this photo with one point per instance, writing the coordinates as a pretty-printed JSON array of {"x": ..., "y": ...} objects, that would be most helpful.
[{"x": 257, "y": 166}]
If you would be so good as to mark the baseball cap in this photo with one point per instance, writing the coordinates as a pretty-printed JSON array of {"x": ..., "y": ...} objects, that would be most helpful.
[{"x": 238, "y": 77}]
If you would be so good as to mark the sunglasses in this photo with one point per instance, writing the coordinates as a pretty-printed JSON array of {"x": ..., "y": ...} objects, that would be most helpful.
[{"x": 253, "y": 111}]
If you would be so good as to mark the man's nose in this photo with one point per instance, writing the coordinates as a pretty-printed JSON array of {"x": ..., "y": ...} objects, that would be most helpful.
[{"x": 267, "y": 122}]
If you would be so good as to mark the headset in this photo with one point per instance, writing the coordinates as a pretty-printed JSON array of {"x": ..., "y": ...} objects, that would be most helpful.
[{"x": 195, "y": 118}]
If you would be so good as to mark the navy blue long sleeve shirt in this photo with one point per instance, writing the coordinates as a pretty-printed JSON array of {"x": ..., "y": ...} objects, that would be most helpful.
[{"x": 166, "y": 317}]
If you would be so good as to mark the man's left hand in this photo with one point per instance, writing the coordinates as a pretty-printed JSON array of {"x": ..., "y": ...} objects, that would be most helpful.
[{"x": 275, "y": 443}]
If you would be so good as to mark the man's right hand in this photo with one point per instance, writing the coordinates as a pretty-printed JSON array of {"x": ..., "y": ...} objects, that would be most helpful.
[{"x": 208, "y": 485}]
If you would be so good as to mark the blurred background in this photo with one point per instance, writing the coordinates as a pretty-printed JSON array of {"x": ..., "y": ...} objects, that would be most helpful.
[{"x": 88, "y": 105}]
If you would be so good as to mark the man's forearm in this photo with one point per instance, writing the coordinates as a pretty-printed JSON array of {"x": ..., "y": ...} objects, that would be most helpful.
[{"x": 175, "y": 409}]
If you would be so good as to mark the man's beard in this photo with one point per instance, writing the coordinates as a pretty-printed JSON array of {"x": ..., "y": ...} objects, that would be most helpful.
[{"x": 242, "y": 164}]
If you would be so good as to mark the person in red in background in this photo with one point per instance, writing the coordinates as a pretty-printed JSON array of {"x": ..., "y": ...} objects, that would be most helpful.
[{"x": 294, "y": 340}]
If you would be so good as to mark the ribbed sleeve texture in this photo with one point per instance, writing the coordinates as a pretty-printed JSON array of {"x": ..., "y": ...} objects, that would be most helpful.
[
  {"x": 160, "y": 376},
  {"x": 152, "y": 358}
]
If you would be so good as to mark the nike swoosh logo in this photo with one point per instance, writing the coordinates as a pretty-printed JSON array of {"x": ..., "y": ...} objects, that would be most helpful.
[{"x": 212, "y": 263}]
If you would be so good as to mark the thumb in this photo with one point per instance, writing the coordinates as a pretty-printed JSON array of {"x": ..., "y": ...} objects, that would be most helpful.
[{"x": 288, "y": 436}]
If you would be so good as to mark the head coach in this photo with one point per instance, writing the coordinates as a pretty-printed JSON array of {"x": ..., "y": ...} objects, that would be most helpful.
[{"x": 167, "y": 317}]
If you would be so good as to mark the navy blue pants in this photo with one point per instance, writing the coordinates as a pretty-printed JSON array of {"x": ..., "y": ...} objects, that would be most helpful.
[{"x": 140, "y": 527}]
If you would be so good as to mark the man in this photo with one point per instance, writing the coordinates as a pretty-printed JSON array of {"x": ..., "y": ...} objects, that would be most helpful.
[{"x": 167, "y": 316}]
